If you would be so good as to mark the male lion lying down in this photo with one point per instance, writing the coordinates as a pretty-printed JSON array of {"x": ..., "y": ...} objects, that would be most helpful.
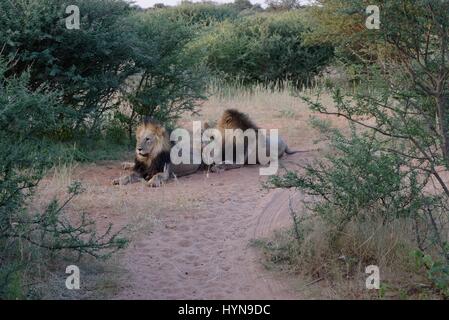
[{"x": 152, "y": 163}]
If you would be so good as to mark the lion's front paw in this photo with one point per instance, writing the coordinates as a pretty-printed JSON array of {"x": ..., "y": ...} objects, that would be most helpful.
[
  {"x": 127, "y": 165},
  {"x": 155, "y": 182},
  {"x": 124, "y": 180}
]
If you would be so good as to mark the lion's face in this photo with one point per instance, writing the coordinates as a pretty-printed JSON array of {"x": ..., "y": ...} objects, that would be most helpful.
[{"x": 151, "y": 139}]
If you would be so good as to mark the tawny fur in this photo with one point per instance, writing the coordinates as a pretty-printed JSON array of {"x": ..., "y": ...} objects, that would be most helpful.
[
  {"x": 234, "y": 119},
  {"x": 152, "y": 161},
  {"x": 161, "y": 143}
]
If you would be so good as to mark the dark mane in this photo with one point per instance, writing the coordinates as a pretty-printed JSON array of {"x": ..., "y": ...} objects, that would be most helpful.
[
  {"x": 150, "y": 120},
  {"x": 233, "y": 119},
  {"x": 157, "y": 165}
]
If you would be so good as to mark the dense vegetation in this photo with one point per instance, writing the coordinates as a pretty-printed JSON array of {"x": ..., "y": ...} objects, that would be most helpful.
[
  {"x": 264, "y": 49},
  {"x": 382, "y": 195},
  {"x": 29, "y": 118}
]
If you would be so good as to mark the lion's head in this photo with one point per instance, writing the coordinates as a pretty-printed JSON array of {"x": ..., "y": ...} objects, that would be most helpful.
[
  {"x": 151, "y": 140},
  {"x": 234, "y": 119}
]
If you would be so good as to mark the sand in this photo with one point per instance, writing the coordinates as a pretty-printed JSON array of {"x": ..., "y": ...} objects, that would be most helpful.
[{"x": 205, "y": 253}]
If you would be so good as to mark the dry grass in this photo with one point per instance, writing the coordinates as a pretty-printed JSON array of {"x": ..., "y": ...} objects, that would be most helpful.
[
  {"x": 281, "y": 110},
  {"x": 334, "y": 261}
]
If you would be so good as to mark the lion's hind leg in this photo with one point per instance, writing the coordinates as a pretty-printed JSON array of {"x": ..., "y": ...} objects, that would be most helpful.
[{"x": 221, "y": 167}]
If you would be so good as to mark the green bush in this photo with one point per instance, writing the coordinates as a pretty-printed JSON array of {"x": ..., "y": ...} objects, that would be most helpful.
[
  {"x": 200, "y": 14},
  {"x": 35, "y": 35},
  {"x": 264, "y": 48},
  {"x": 27, "y": 117},
  {"x": 394, "y": 169},
  {"x": 171, "y": 81},
  {"x": 118, "y": 55},
  {"x": 370, "y": 206},
  {"x": 360, "y": 181}
]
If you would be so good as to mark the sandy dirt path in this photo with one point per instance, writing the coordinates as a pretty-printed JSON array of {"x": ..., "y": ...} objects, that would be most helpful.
[{"x": 205, "y": 253}]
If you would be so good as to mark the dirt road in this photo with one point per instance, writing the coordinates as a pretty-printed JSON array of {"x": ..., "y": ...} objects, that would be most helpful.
[{"x": 205, "y": 252}]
